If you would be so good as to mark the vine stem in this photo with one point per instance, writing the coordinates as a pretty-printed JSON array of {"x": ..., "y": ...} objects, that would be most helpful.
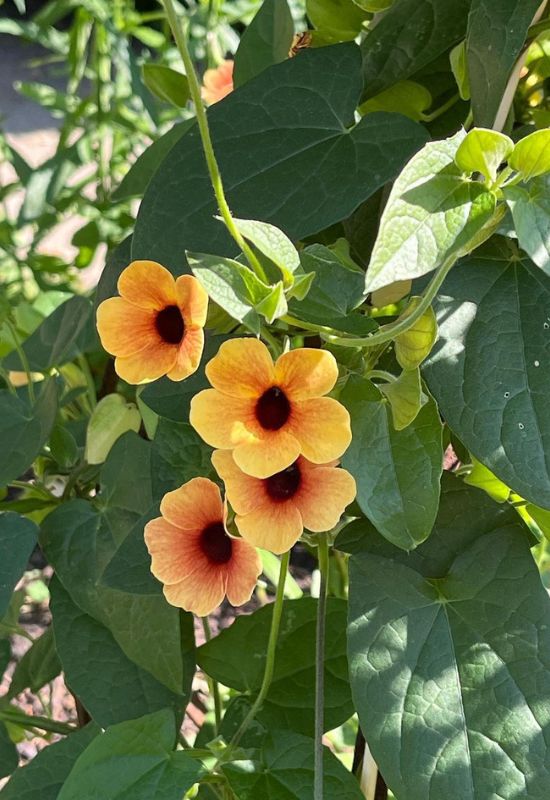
[
  {"x": 204, "y": 130},
  {"x": 270, "y": 657},
  {"x": 30, "y": 722},
  {"x": 389, "y": 332},
  {"x": 23, "y": 358},
  {"x": 323, "y": 555},
  {"x": 214, "y": 686}
]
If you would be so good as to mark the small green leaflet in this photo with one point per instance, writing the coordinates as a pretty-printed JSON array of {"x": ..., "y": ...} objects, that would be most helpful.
[
  {"x": 273, "y": 243},
  {"x": 265, "y": 41},
  {"x": 166, "y": 83},
  {"x": 531, "y": 155},
  {"x": 530, "y": 207},
  {"x": 483, "y": 151}
]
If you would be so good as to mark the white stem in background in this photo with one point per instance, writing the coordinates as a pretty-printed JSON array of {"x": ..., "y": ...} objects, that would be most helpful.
[
  {"x": 508, "y": 96},
  {"x": 369, "y": 774}
]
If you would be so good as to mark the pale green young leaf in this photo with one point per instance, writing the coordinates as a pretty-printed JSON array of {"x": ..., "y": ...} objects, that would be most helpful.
[
  {"x": 166, "y": 84},
  {"x": 343, "y": 19},
  {"x": 397, "y": 471},
  {"x": 457, "y": 57},
  {"x": 484, "y": 479},
  {"x": 413, "y": 346},
  {"x": 432, "y": 213},
  {"x": 531, "y": 155},
  {"x": 274, "y": 305},
  {"x": 266, "y": 41},
  {"x": 273, "y": 243},
  {"x": 406, "y": 97},
  {"x": 530, "y": 207},
  {"x": 112, "y": 417},
  {"x": 405, "y": 397},
  {"x": 483, "y": 151}
]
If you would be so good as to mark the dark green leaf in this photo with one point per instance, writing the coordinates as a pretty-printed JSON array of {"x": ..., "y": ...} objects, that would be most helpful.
[
  {"x": 140, "y": 173},
  {"x": 17, "y": 540},
  {"x": 171, "y": 399},
  {"x": 266, "y": 41},
  {"x": 450, "y": 655},
  {"x": 167, "y": 84},
  {"x": 8, "y": 754},
  {"x": 335, "y": 292},
  {"x": 178, "y": 455},
  {"x": 412, "y": 34},
  {"x": 310, "y": 177},
  {"x": 5, "y": 653},
  {"x": 489, "y": 370},
  {"x": 38, "y": 666},
  {"x": 24, "y": 429},
  {"x": 117, "y": 260},
  {"x": 227, "y": 658},
  {"x": 283, "y": 770},
  {"x": 133, "y": 759},
  {"x": 397, "y": 471},
  {"x": 44, "y": 776},
  {"x": 111, "y": 686},
  {"x": 496, "y": 33},
  {"x": 58, "y": 339},
  {"x": 81, "y": 540}
]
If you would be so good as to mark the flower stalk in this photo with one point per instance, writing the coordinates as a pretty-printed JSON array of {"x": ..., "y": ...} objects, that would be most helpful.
[
  {"x": 204, "y": 130},
  {"x": 323, "y": 556}
]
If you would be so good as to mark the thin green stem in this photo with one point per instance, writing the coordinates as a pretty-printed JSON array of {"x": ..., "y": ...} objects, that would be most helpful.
[
  {"x": 306, "y": 326},
  {"x": 15, "y": 717},
  {"x": 382, "y": 375},
  {"x": 442, "y": 109},
  {"x": 388, "y": 332},
  {"x": 323, "y": 555},
  {"x": 90, "y": 383},
  {"x": 270, "y": 657},
  {"x": 212, "y": 684},
  {"x": 204, "y": 130},
  {"x": 6, "y": 376},
  {"x": 23, "y": 358}
]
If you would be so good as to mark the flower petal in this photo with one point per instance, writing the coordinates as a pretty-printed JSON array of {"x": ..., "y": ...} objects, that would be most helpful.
[
  {"x": 241, "y": 368},
  {"x": 275, "y": 526},
  {"x": 194, "y": 505},
  {"x": 200, "y": 593},
  {"x": 244, "y": 492},
  {"x": 242, "y": 575},
  {"x": 188, "y": 354},
  {"x": 148, "y": 284},
  {"x": 223, "y": 421},
  {"x": 322, "y": 427},
  {"x": 175, "y": 553},
  {"x": 149, "y": 364},
  {"x": 306, "y": 372},
  {"x": 323, "y": 495},
  {"x": 192, "y": 300},
  {"x": 264, "y": 457},
  {"x": 125, "y": 329}
]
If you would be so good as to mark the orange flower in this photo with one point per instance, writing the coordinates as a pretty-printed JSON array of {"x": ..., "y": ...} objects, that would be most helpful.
[
  {"x": 273, "y": 512},
  {"x": 193, "y": 555},
  {"x": 155, "y": 327},
  {"x": 217, "y": 83},
  {"x": 270, "y": 414}
]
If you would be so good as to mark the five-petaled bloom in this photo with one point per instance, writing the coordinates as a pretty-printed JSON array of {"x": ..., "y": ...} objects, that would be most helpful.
[
  {"x": 273, "y": 512},
  {"x": 193, "y": 555},
  {"x": 269, "y": 414},
  {"x": 217, "y": 83},
  {"x": 156, "y": 327}
]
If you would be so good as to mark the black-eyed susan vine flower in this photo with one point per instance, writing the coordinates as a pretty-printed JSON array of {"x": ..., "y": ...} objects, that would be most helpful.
[
  {"x": 273, "y": 512},
  {"x": 155, "y": 327},
  {"x": 267, "y": 413},
  {"x": 192, "y": 554}
]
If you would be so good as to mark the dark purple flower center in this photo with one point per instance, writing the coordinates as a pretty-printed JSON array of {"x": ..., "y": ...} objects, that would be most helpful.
[
  {"x": 284, "y": 485},
  {"x": 216, "y": 544},
  {"x": 273, "y": 409},
  {"x": 169, "y": 324}
]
